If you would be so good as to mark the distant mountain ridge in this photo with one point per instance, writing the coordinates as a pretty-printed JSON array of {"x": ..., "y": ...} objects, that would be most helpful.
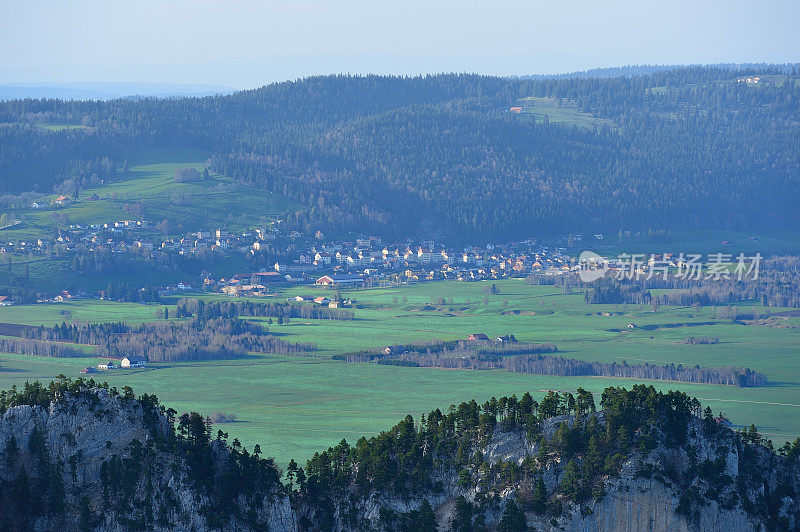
[
  {"x": 644, "y": 70},
  {"x": 460, "y": 158},
  {"x": 106, "y": 90}
]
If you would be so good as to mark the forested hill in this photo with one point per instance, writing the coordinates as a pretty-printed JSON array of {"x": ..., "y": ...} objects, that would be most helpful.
[{"x": 444, "y": 155}]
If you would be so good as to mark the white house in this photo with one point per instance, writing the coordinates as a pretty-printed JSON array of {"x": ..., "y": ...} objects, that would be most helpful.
[
  {"x": 133, "y": 362},
  {"x": 324, "y": 258}
]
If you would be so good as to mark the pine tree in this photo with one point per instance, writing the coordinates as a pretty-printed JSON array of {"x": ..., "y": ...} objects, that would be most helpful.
[
  {"x": 539, "y": 497},
  {"x": 513, "y": 518}
]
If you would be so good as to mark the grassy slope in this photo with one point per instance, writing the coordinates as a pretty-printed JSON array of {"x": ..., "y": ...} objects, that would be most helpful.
[
  {"x": 296, "y": 406},
  {"x": 53, "y": 126},
  {"x": 216, "y": 202},
  {"x": 558, "y": 112}
]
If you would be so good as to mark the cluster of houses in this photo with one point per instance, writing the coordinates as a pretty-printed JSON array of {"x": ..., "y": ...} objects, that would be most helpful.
[
  {"x": 127, "y": 362},
  {"x": 323, "y": 301},
  {"x": 367, "y": 259},
  {"x": 366, "y": 262},
  {"x": 474, "y": 337},
  {"x": 361, "y": 262},
  {"x": 480, "y": 337},
  {"x": 305, "y": 258}
]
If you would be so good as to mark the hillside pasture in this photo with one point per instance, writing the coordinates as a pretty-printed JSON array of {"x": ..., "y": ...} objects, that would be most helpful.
[
  {"x": 559, "y": 111},
  {"x": 147, "y": 190}
]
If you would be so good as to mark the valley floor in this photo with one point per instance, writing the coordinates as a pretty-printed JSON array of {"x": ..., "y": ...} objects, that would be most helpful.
[{"x": 296, "y": 406}]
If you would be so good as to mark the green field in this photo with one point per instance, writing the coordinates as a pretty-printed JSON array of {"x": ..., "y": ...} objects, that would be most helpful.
[
  {"x": 294, "y": 406},
  {"x": 560, "y": 112},
  {"x": 58, "y": 126}
]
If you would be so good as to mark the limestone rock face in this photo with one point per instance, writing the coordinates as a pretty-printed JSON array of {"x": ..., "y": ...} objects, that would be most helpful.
[
  {"x": 73, "y": 458},
  {"x": 82, "y": 432},
  {"x": 639, "y": 504},
  {"x": 96, "y": 427},
  {"x": 643, "y": 496}
]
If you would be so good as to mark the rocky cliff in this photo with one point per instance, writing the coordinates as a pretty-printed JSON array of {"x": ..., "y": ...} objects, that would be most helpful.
[
  {"x": 81, "y": 456},
  {"x": 693, "y": 487}
]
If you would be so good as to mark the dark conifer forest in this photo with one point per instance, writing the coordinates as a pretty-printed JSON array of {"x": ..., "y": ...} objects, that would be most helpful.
[{"x": 685, "y": 148}]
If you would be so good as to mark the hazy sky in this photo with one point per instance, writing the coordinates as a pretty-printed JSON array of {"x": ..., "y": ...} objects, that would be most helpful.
[{"x": 244, "y": 43}]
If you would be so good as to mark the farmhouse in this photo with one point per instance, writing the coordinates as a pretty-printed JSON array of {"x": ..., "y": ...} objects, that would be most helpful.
[
  {"x": 62, "y": 200},
  {"x": 340, "y": 280},
  {"x": 477, "y": 337},
  {"x": 63, "y": 296},
  {"x": 107, "y": 365},
  {"x": 133, "y": 362},
  {"x": 5, "y": 302}
]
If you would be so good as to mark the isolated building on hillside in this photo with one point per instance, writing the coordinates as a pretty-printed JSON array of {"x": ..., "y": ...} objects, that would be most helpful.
[{"x": 477, "y": 337}]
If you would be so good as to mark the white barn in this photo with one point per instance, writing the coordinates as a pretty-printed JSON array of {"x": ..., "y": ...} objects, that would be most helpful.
[{"x": 133, "y": 362}]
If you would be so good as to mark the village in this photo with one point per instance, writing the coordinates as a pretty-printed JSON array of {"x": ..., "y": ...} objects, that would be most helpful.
[{"x": 292, "y": 257}]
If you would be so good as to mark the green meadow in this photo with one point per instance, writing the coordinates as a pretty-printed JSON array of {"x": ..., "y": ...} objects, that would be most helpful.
[
  {"x": 147, "y": 190},
  {"x": 295, "y": 406},
  {"x": 560, "y": 112},
  {"x": 59, "y": 126}
]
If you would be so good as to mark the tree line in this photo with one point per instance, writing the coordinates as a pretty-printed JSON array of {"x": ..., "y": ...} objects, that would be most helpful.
[
  {"x": 233, "y": 309},
  {"x": 777, "y": 285},
  {"x": 528, "y": 358},
  {"x": 166, "y": 341}
]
